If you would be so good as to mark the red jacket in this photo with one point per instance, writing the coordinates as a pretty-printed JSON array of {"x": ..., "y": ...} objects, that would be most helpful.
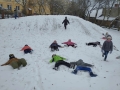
[
  {"x": 26, "y": 47},
  {"x": 69, "y": 42}
]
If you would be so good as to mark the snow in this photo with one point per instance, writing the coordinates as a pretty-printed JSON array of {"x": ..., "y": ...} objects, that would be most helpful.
[
  {"x": 39, "y": 32},
  {"x": 93, "y": 13},
  {"x": 29, "y": 9},
  {"x": 110, "y": 18}
]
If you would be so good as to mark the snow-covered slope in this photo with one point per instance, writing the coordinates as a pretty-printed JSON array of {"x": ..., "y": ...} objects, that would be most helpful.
[{"x": 39, "y": 32}]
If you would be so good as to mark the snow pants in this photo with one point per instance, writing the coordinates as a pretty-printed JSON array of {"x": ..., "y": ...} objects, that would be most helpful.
[
  {"x": 17, "y": 64},
  {"x": 61, "y": 62},
  {"x": 84, "y": 69},
  {"x": 71, "y": 45},
  {"x": 27, "y": 51},
  {"x": 105, "y": 53},
  {"x": 53, "y": 48},
  {"x": 65, "y": 26}
]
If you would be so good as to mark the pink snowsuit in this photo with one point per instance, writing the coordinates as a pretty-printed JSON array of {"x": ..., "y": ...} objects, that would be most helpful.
[{"x": 69, "y": 43}]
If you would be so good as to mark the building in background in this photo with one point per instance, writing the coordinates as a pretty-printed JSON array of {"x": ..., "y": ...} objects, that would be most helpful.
[
  {"x": 25, "y": 7},
  {"x": 40, "y": 7}
]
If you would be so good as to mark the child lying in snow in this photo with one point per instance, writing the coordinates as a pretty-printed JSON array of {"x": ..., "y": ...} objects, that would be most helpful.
[
  {"x": 93, "y": 43},
  {"x": 54, "y": 46},
  {"x": 15, "y": 62},
  {"x": 69, "y": 43},
  {"x": 59, "y": 61},
  {"x": 27, "y": 49},
  {"x": 82, "y": 66}
]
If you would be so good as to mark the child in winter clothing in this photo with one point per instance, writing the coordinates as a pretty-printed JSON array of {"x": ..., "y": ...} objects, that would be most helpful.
[
  {"x": 54, "y": 46},
  {"x": 82, "y": 66},
  {"x": 93, "y": 43},
  {"x": 59, "y": 61},
  {"x": 69, "y": 43},
  {"x": 66, "y": 22},
  {"x": 27, "y": 49},
  {"x": 15, "y": 62},
  {"x": 80, "y": 63},
  {"x": 107, "y": 46}
]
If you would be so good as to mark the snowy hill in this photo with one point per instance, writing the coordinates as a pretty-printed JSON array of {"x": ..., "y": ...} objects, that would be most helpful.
[{"x": 39, "y": 32}]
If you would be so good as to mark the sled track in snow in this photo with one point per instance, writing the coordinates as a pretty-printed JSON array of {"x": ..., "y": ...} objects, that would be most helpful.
[
  {"x": 96, "y": 30},
  {"x": 39, "y": 81},
  {"x": 85, "y": 29}
]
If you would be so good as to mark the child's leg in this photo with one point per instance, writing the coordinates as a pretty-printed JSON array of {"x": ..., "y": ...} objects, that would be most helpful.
[
  {"x": 106, "y": 53},
  {"x": 76, "y": 70},
  {"x": 23, "y": 62},
  {"x": 66, "y": 64},
  {"x": 14, "y": 64}
]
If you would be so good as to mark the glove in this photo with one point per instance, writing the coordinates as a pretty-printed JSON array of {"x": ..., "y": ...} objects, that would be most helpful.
[{"x": 110, "y": 52}]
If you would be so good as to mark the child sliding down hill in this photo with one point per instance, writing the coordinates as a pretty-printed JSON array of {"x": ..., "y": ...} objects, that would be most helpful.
[
  {"x": 69, "y": 43},
  {"x": 93, "y": 43},
  {"x": 54, "y": 46},
  {"x": 27, "y": 49},
  {"x": 83, "y": 66},
  {"x": 15, "y": 62},
  {"x": 59, "y": 61}
]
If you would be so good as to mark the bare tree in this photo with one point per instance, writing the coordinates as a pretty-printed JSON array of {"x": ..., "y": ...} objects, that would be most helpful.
[
  {"x": 56, "y": 6},
  {"x": 23, "y": 3},
  {"x": 110, "y": 9},
  {"x": 101, "y": 3},
  {"x": 84, "y": 7},
  {"x": 73, "y": 9},
  {"x": 78, "y": 7},
  {"x": 39, "y": 6}
]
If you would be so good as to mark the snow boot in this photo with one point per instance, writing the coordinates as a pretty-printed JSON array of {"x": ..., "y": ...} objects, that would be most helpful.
[
  {"x": 72, "y": 66},
  {"x": 55, "y": 68},
  {"x": 74, "y": 72},
  {"x": 92, "y": 75},
  {"x": 75, "y": 46}
]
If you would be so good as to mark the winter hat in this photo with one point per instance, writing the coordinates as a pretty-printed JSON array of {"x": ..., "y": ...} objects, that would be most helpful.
[
  {"x": 80, "y": 60},
  {"x": 109, "y": 38},
  {"x": 11, "y": 56},
  {"x": 69, "y": 40},
  {"x": 53, "y": 55},
  {"x": 55, "y": 41}
]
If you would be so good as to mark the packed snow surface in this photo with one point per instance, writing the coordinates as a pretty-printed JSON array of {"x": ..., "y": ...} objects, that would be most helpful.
[{"x": 39, "y": 32}]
